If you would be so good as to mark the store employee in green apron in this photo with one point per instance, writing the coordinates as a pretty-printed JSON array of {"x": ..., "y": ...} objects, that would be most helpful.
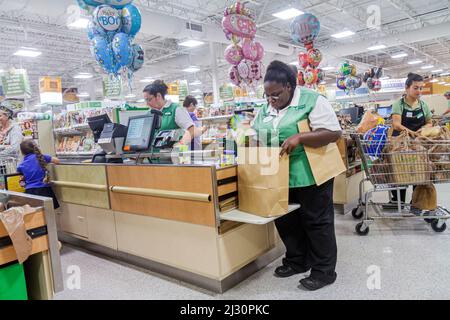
[
  {"x": 308, "y": 233},
  {"x": 410, "y": 113},
  {"x": 174, "y": 117}
]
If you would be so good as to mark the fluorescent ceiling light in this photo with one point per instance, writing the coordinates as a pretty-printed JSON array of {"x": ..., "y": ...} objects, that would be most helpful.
[
  {"x": 445, "y": 74},
  {"x": 328, "y": 68},
  {"x": 288, "y": 14},
  {"x": 377, "y": 47},
  {"x": 130, "y": 96},
  {"x": 197, "y": 91},
  {"x": 140, "y": 101},
  {"x": 83, "y": 75},
  {"x": 442, "y": 82},
  {"x": 343, "y": 34},
  {"x": 191, "y": 43},
  {"x": 414, "y": 61},
  {"x": 437, "y": 70},
  {"x": 195, "y": 83},
  {"x": 385, "y": 78},
  {"x": 80, "y": 23},
  {"x": 191, "y": 69},
  {"x": 1, "y": 70},
  {"x": 434, "y": 80},
  {"x": 83, "y": 95},
  {"x": 147, "y": 80},
  {"x": 399, "y": 55},
  {"x": 427, "y": 67},
  {"x": 27, "y": 52}
]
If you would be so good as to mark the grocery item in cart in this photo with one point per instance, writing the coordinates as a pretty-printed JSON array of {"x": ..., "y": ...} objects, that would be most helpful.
[
  {"x": 425, "y": 197},
  {"x": 409, "y": 160},
  {"x": 369, "y": 121},
  {"x": 375, "y": 140}
]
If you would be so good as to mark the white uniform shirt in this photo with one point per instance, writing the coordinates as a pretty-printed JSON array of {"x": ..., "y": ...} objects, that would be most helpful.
[
  {"x": 321, "y": 117},
  {"x": 182, "y": 117}
]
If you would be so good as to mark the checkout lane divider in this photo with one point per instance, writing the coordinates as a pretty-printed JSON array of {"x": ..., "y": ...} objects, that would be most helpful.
[
  {"x": 202, "y": 197},
  {"x": 79, "y": 185}
]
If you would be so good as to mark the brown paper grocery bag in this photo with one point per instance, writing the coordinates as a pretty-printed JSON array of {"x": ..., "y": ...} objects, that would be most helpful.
[
  {"x": 326, "y": 162},
  {"x": 263, "y": 181},
  {"x": 425, "y": 197}
]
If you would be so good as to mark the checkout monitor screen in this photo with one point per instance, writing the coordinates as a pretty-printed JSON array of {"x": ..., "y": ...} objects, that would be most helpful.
[
  {"x": 384, "y": 112},
  {"x": 140, "y": 133}
]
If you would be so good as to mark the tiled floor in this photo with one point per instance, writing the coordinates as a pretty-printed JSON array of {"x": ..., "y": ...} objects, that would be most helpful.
[{"x": 412, "y": 262}]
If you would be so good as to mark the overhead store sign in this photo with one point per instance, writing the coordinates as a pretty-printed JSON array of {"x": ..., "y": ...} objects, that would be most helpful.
[
  {"x": 226, "y": 93},
  {"x": 393, "y": 85},
  {"x": 182, "y": 89},
  {"x": 16, "y": 84},
  {"x": 50, "y": 89},
  {"x": 112, "y": 88}
]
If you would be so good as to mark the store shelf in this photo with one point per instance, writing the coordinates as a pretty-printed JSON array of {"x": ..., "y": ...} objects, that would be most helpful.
[
  {"x": 240, "y": 216},
  {"x": 73, "y": 130},
  {"x": 216, "y": 119}
]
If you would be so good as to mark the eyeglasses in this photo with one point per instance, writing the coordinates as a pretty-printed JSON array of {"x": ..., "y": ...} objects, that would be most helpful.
[{"x": 272, "y": 97}]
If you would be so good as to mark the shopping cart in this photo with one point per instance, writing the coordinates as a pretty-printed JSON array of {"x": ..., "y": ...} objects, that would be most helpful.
[
  {"x": 8, "y": 165},
  {"x": 421, "y": 161}
]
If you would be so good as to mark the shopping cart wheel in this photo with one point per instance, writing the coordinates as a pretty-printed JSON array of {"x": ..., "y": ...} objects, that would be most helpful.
[
  {"x": 428, "y": 220},
  {"x": 362, "y": 229},
  {"x": 434, "y": 226},
  {"x": 357, "y": 213}
]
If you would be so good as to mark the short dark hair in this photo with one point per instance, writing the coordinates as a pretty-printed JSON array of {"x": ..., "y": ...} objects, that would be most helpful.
[
  {"x": 413, "y": 77},
  {"x": 157, "y": 86},
  {"x": 282, "y": 73},
  {"x": 188, "y": 100}
]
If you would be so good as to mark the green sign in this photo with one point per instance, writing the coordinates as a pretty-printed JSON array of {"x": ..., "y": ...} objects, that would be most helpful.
[
  {"x": 226, "y": 93},
  {"x": 15, "y": 83},
  {"x": 112, "y": 87},
  {"x": 183, "y": 89}
]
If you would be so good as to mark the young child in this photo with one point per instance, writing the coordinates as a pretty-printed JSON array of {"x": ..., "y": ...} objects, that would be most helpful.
[{"x": 34, "y": 171}]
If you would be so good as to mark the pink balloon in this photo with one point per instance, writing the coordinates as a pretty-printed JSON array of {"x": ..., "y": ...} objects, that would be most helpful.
[
  {"x": 250, "y": 50},
  {"x": 234, "y": 76},
  {"x": 239, "y": 25},
  {"x": 233, "y": 54},
  {"x": 244, "y": 68},
  {"x": 260, "y": 50},
  {"x": 256, "y": 71}
]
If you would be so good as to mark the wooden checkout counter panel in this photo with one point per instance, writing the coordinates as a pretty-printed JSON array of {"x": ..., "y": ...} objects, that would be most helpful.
[{"x": 165, "y": 218}]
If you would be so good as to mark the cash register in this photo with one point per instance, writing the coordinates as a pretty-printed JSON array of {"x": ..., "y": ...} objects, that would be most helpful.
[{"x": 108, "y": 135}]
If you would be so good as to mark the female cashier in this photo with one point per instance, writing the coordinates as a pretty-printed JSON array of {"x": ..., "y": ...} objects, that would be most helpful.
[
  {"x": 174, "y": 117},
  {"x": 410, "y": 113},
  {"x": 307, "y": 233}
]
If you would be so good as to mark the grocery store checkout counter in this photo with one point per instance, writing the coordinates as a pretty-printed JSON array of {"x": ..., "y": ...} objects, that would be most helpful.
[{"x": 168, "y": 218}]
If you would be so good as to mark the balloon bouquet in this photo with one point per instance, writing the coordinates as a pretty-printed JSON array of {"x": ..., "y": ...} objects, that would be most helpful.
[
  {"x": 305, "y": 29},
  {"x": 372, "y": 78},
  {"x": 244, "y": 54},
  {"x": 111, "y": 30},
  {"x": 346, "y": 77}
]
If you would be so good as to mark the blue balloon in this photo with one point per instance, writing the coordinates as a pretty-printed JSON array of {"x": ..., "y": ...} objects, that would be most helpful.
[
  {"x": 107, "y": 18},
  {"x": 95, "y": 30},
  {"x": 121, "y": 46},
  {"x": 131, "y": 20},
  {"x": 104, "y": 54},
  {"x": 118, "y": 4},
  {"x": 305, "y": 28},
  {"x": 138, "y": 58}
]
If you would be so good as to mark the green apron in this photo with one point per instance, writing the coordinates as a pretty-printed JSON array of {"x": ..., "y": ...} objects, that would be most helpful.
[
  {"x": 300, "y": 174},
  {"x": 167, "y": 121}
]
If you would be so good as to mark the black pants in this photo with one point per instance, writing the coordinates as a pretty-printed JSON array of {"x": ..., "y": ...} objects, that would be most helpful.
[
  {"x": 402, "y": 195},
  {"x": 308, "y": 233},
  {"x": 44, "y": 192}
]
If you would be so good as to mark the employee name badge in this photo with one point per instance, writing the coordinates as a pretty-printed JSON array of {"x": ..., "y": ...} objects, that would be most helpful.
[
  {"x": 268, "y": 119},
  {"x": 419, "y": 115},
  {"x": 168, "y": 113},
  {"x": 409, "y": 114}
]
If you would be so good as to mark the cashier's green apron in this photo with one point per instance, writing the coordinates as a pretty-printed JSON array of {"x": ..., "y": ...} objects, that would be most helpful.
[
  {"x": 167, "y": 121},
  {"x": 300, "y": 174}
]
